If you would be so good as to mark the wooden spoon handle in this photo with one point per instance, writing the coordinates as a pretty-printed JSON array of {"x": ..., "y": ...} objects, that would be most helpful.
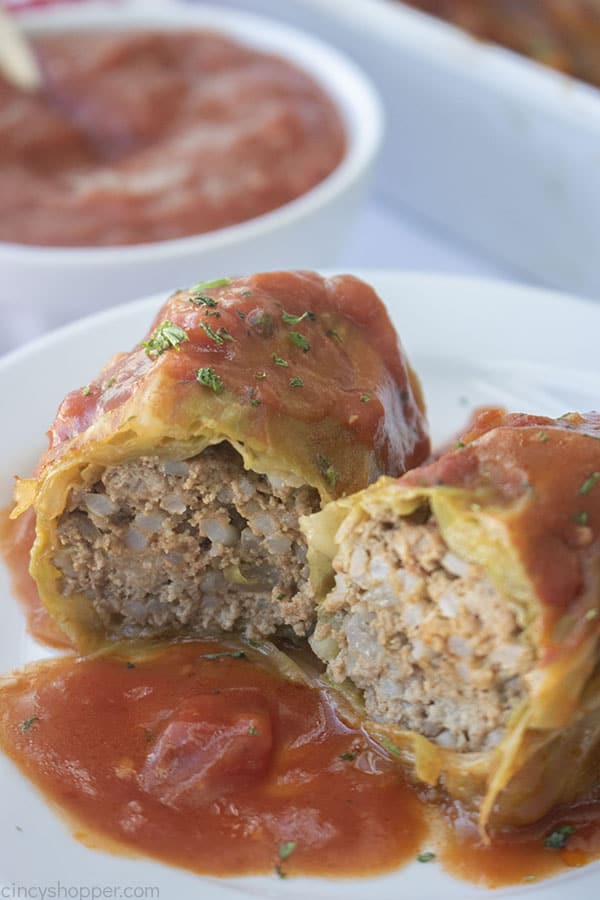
[{"x": 17, "y": 60}]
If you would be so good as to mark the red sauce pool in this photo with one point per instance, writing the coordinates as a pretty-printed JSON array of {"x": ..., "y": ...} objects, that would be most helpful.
[
  {"x": 204, "y": 757},
  {"x": 145, "y": 136},
  {"x": 209, "y": 762}
]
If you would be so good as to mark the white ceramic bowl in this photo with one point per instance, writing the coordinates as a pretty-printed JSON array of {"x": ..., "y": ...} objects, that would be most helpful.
[{"x": 51, "y": 285}]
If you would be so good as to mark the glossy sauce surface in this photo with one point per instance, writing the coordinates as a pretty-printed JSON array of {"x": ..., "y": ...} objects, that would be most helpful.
[
  {"x": 145, "y": 136},
  {"x": 342, "y": 350},
  {"x": 209, "y": 761}
]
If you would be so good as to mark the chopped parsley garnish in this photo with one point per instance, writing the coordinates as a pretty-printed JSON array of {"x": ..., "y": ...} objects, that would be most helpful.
[
  {"x": 260, "y": 376},
  {"x": 85, "y": 390},
  {"x": 230, "y": 654},
  {"x": 425, "y": 857},
  {"x": 246, "y": 293},
  {"x": 219, "y": 336},
  {"x": 209, "y": 378},
  {"x": 332, "y": 333},
  {"x": 26, "y": 725},
  {"x": 203, "y": 300},
  {"x": 348, "y": 756},
  {"x": 209, "y": 285},
  {"x": 589, "y": 483},
  {"x": 254, "y": 400},
  {"x": 286, "y": 849},
  {"x": 242, "y": 315},
  {"x": 390, "y": 746},
  {"x": 165, "y": 336},
  {"x": 130, "y": 665},
  {"x": 112, "y": 380},
  {"x": 295, "y": 320},
  {"x": 279, "y": 361},
  {"x": 279, "y": 871},
  {"x": 582, "y": 518},
  {"x": 296, "y": 382},
  {"x": 328, "y": 470},
  {"x": 253, "y": 730},
  {"x": 543, "y": 437},
  {"x": 558, "y": 839},
  {"x": 460, "y": 445},
  {"x": 281, "y": 596},
  {"x": 299, "y": 340},
  {"x": 365, "y": 398}
]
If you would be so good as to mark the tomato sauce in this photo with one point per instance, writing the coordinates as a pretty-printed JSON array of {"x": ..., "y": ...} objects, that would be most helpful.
[
  {"x": 200, "y": 756},
  {"x": 142, "y": 136},
  {"x": 203, "y": 756},
  {"x": 351, "y": 369},
  {"x": 513, "y": 456},
  {"x": 526, "y": 855},
  {"x": 16, "y": 540}
]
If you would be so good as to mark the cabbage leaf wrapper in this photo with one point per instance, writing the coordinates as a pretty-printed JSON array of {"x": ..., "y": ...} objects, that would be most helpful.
[
  {"x": 459, "y": 611},
  {"x": 167, "y": 502}
]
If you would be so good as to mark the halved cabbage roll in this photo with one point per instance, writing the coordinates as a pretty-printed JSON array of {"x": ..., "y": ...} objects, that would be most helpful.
[
  {"x": 460, "y": 610},
  {"x": 168, "y": 501}
]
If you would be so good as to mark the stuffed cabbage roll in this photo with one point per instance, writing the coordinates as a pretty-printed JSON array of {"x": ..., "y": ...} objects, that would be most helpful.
[
  {"x": 168, "y": 501},
  {"x": 460, "y": 610}
]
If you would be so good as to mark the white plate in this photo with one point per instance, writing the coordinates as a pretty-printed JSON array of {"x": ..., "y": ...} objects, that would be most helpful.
[{"x": 472, "y": 342}]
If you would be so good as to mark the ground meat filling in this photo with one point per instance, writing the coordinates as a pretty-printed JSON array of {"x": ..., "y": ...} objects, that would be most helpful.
[
  {"x": 196, "y": 547},
  {"x": 426, "y": 637}
]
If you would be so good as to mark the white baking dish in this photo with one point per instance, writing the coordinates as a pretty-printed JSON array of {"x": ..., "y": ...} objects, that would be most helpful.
[
  {"x": 57, "y": 284},
  {"x": 493, "y": 147}
]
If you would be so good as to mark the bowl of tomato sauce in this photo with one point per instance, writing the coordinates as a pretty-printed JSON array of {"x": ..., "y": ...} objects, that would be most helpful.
[{"x": 172, "y": 142}]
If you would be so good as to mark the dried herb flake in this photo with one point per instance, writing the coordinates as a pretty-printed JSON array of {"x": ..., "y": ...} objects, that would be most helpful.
[
  {"x": 219, "y": 336},
  {"x": 26, "y": 725},
  {"x": 286, "y": 849},
  {"x": 209, "y": 378},
  {"x": 233, "y": 654},
  {"x": 299, "y": 340},
  {"x": 165, "y": 336},
  {"x": 290, "y": 319},
  {"x": 558, "y": 839},
  {"x": 589, "y": 483}
]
